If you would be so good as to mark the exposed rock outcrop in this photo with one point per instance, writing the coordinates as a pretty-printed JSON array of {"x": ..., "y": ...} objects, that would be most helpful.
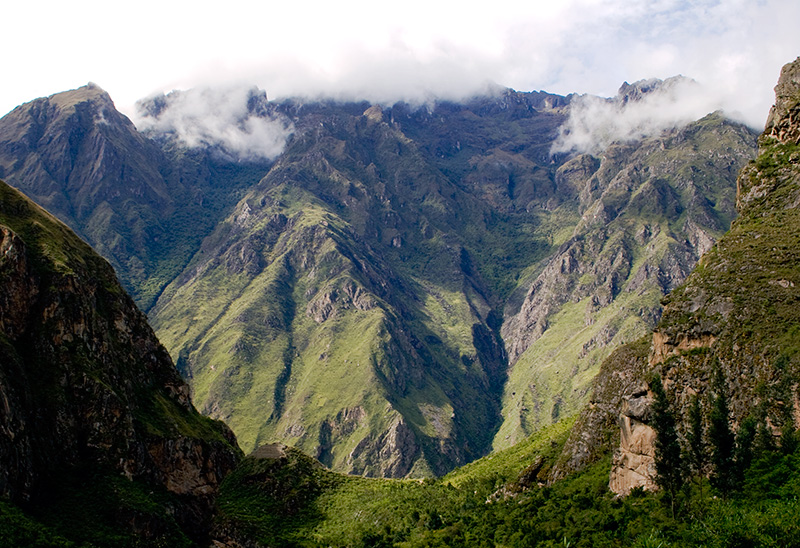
[
  {"x": 737, "y": 316},
  {"x": 84, "y": 384},
  {"x": 783, "y": 122},
  {"x": 644, "y": 224},
  {"x": 634, "y": 461},
  {"x": 619, "y": 385},
  {"x": 391, "y": 454},
  {"x": 734, "y": 315}
]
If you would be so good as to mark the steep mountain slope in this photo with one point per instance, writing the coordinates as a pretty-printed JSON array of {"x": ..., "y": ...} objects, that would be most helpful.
[
  {"x": 352, "y": 320},
  {"x": 736, "y": 317},
  {"x": 648, "y": 211},
  {"x": 391, "y": 238},
  {"x": 358, "y": 301},
  {"x": 143, "y": 205},
  {"x": 92, "y": 404}
]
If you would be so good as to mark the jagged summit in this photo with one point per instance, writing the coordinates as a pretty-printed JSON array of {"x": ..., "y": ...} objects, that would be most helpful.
[
  {"x": 641, "y": 88},
  {"x": 783, "y": 122}
]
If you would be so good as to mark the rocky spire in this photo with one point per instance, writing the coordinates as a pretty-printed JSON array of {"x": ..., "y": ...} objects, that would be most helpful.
[{"x": 783, "y": 122}]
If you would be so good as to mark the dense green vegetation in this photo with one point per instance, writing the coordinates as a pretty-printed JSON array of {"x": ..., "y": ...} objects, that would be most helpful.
[
  {"x": 291, "y": 501},
  {"x": 84, "y": 508}
]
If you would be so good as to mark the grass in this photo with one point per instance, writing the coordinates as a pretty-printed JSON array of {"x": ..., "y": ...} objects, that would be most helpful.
[
  {"x": 506, "y": 465},
  {"x": 754, "y": 266},
  {"x": 56, "y": 249},
  {"x": 162, "y": 416},
  {"x": 294, "y": 501},
  {"x": 553, "y": 377}
]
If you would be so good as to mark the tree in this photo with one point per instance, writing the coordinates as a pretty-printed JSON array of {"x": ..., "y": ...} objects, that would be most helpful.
[
  {"x": 745, "y": 439},
  {"x": 668, "y": 460},
  {"x": 788, "y": 438},
  {"x": 764, "y": 442},
  {"x": 696, "y": 458},
  {"x": 697, "y": 449},
  {"x": 722, "y": 440}
]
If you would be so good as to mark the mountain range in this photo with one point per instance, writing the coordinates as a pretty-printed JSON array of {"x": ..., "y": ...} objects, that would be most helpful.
[
  {"x": 414, "y": 296},
  {"x": 402, "y": 289}
]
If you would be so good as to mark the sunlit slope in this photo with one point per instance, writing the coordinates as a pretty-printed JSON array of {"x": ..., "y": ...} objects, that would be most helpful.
[
  {"x": 339, "y": 309},
  {"x": 649, "y": 211}
]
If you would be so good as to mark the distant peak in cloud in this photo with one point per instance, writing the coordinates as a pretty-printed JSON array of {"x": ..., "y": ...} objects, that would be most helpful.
[
  {"x": 235, "y": 121},
  {"x": 639, "y": 110}
]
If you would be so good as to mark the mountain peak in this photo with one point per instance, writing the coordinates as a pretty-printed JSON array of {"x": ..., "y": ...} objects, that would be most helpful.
[
  {"x": 89, "y": 92},
  {"x": 783, "y": 122},
  {"x": 65, "y": 102},
  {"x": 84, "y": 106},
  {"x": 641, "y": 88}
]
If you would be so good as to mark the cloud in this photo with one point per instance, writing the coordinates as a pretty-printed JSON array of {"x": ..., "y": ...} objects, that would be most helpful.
[
  {"x": 642, "y": 109},
  {"x": 414, "y": 50},
  {"x": 352, "y": 50},
  {"x": 235, "y": 121}
]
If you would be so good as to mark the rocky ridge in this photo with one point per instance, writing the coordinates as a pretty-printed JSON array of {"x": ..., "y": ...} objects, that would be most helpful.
[
  {"x": 648, "y": 211},
  {"x": 735, "y": 316}
]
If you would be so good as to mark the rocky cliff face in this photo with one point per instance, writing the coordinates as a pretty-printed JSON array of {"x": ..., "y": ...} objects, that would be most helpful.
[
  {"x": 86, "y": 387},
  {"x": 648, "y": 211},
  {"x": 736, "y": 315}
]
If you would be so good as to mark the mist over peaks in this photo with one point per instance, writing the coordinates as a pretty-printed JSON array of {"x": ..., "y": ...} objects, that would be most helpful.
[
  {"x": 639, "y": 110},
  {"x": 236, "y": 121}
]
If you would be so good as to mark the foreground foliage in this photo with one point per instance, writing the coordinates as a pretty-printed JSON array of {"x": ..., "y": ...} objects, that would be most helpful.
[{"x": 294, "y": 502}]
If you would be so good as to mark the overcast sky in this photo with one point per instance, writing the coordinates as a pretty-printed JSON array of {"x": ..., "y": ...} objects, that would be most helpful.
[{"x": 410, "y": 49}]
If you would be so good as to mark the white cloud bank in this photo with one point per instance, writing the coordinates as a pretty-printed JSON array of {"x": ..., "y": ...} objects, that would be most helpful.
[
  {"x": 225, "y": 119},
  {"x": 648, "y": 108},
  {"x": 419, "y": 49},
  {"x": 412, "y": 50}
]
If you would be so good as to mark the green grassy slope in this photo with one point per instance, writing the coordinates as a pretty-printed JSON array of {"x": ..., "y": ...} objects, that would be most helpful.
[
  {"x": 327, "y": 313},
  {"x": 280, "y": 496},
  {"x": 283, "y": 498},
  {"x": 648, "y": 212}
]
